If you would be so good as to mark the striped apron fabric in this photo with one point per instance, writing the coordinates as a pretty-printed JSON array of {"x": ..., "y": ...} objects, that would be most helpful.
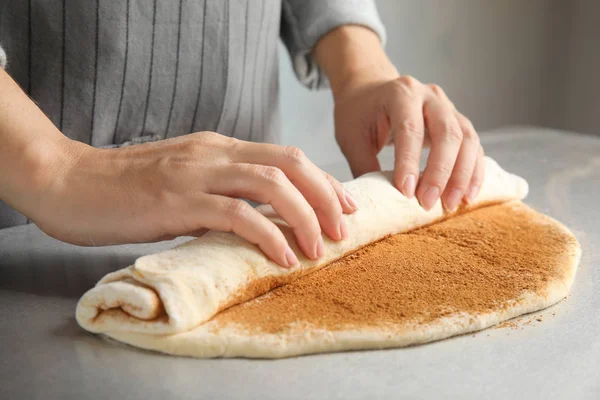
[{"x": 117, "y": 73}]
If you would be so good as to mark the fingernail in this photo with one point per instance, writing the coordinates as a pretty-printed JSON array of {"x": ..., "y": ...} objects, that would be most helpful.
[
  {"x": 472, "y": 194},
  {"x": 343, "y": 229},
  {"x": 320, "y": 248},
  {"x": 290, "y": 257},
  {"x": 409, "y": 185},
  {"x": 453, "y": 200},
  {"x": 351, "y": 201},
  {"x": 431, "y": 195}
]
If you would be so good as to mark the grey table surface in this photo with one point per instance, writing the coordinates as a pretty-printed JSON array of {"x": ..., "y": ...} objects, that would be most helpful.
[{"x": 44, "y": 354}]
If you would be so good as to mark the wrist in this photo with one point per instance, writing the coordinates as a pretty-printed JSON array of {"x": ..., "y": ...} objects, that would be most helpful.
[
  {"x": 362, "y": 77},
  {"x": 352, "y": 55},
  {"x": 41, "y": 165}
]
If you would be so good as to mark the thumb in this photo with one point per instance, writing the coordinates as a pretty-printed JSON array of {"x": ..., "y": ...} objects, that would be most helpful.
[
  {"x": 362, "y": 158},
  {"x": 361, "y": 148}
]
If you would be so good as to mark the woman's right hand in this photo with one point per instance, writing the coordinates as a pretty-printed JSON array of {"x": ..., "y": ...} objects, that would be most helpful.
[{"x": 186, "y": 185}]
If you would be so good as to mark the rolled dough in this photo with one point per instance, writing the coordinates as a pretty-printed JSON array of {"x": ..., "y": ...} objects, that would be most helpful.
[
  {"x": 250, "y": 330},
  {"x": 163, "y": 301}
]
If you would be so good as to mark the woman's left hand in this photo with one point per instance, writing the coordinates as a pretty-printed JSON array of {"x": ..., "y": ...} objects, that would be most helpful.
[
  {"x": 375, "y": 106},
  {"x": 411, "y": 115}
]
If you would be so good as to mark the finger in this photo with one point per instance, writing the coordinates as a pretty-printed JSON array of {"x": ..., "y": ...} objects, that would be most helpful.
[
  {"x": 269, "y": 185},
  {"x": 199, "y": 232},
  {"x": 348, "y": 202},
  {"x": 232, "y": 215},
  {"x": 408, "y": 130},
  {"x": 458, "y": 184},
  {"x": 477, "y": 179},
  {"x": 309, "y": 180},
  {"x": 446, "y": 139}
]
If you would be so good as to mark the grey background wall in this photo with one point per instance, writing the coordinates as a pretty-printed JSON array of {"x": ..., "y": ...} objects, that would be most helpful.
[
  {"x": 534, "y": 62},
  {"x": 580, "y": 92}
]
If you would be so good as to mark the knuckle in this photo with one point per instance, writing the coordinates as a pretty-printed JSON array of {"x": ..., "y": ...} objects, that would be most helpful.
[
  {"x": 471, "y": 135},
  {"x": 209, "y": 135},
  {"x": 198, "y": 136},
  {"x": 469, "y": 130},
  {"x": 408, "y": 81},
  {"x": 447, "y": 129},
  {"x": 437, "y": 90},
  {"x": 238, "y": 210},
  {"x": 452, "y": 132},
  {"x": 294, "y": 154},
  {"x": 407, "y": 86},
  {"x": 191, "y": 146},
  {"x": 462, "y": 186},
  {"x": 412, "y": 129},
  {"x": 231, "y": 145},
  {"x": 440, "y": 170},
  {"x": 208, "y": 138},
  {"x": 230, "y": 142},
  {"x": 271, "y": 174}
]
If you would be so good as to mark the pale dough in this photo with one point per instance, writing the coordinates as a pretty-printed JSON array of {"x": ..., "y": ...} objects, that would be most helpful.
[{"x": 163, "y": 301}]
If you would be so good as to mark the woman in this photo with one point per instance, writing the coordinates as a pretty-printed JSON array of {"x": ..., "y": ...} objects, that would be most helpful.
[{"x": 203, "y": 75}]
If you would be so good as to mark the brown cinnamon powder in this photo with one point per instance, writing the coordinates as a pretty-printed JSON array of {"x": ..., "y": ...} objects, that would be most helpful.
[{"x": 475, "y": 262}]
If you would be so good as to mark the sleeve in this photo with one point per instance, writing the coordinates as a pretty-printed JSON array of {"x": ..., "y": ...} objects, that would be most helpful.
[
  {"x": 304, "y": 22},
  {"x": 2, "y": 58}
]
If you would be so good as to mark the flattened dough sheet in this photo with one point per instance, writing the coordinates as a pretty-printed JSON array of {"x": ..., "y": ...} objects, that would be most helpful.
[{"x": 164, "y": 300}]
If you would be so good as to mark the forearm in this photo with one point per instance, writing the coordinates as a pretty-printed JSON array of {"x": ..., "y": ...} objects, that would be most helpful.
[
  {"x": 31, "y": 148},
  {"x": 352, "y": 54}
]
